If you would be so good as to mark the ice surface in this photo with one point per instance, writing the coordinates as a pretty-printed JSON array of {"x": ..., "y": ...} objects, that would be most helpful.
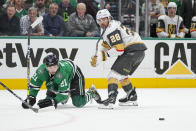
[{"x": 176, "y": 105}]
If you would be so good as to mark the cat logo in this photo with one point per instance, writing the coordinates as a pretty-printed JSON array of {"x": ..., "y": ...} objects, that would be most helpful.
[
  {"x": 177, "y": 61},
  {"x": 179, "y": 68}
]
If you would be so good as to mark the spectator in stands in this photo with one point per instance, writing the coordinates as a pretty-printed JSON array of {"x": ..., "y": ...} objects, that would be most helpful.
[
  {"x": 46, "y": 3},
  {"x": 41, "y": 9},
  {"x": 19, "y": 5},
  {"x": 90, "y": 8},
  {"x": 81, "y": 24},
  {"x": 170, "y": 26},
  {"x": 28, "y": 4},
  {"x": 9, "y": 23},
  {"x": 27, "y": 20},
  {"x": 193, "y": 27},
  {"x": 107, "y": 6},
  {"x": 53, "y": 23},
  {"x": 65, "y": 9},
  {"x": 156, "y": 9}
]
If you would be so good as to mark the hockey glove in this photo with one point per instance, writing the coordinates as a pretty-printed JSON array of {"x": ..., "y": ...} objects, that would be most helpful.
[
  {"x": 94, "y": 61},
  {"x": 50, "y": 94},
  {"x": 101, "y": 56},
  {"x": 31, "y": 100},
  {"x": 47, "y": 102}
]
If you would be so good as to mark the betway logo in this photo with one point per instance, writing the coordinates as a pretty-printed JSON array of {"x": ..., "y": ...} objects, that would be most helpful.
[{"x": 7, "y": 54}]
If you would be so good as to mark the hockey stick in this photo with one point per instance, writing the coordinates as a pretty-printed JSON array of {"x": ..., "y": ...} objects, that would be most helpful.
[
  {"x": 177, "y": 26},
  {"x": 30, "y": 107},
  {"x": 28, "y": 60},
  {"x": 33, "y": 25},
  {"x": 98, "y": 42}
]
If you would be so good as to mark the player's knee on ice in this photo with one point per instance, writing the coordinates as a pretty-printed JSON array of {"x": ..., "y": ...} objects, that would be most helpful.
[{"x": 78, "y": 101}]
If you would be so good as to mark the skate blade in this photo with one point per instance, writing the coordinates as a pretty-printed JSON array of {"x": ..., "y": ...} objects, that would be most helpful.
[
  {"x": 102, "y": 106},
  {"x": 129, "y": 103}
]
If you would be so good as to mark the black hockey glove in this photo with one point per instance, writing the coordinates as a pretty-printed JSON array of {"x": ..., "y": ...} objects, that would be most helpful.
[
  {"x": 31, "y": 100},
  {"x": 47, "y": 102},
  {"x": 50, "y": 94}
]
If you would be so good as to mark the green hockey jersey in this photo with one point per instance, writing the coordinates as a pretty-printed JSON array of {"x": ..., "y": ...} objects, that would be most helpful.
[{"x": 58, "y": 83}]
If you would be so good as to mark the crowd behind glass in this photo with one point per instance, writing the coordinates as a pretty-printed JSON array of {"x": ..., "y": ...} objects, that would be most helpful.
[{"x": 77, "y": 18}]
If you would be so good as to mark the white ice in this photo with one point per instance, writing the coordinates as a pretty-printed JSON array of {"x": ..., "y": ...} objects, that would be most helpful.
[{"x": 176, "y": 105}]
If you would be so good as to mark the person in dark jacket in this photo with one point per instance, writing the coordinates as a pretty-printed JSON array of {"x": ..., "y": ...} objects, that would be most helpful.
[
  {"x": 9, "y": 23},
  {"x": 65, "y": 9},
  {"x": 53, "y": 23}
]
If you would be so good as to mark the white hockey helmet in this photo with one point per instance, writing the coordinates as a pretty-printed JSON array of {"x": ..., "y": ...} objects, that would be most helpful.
[
  {"x": 172, "y": 4},
  {"x": 102, "y": 14},
  {"x": 194, "y": 18}
]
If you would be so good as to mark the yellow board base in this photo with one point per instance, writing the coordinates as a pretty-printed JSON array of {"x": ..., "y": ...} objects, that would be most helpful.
[{"x": 101, "y": 83}]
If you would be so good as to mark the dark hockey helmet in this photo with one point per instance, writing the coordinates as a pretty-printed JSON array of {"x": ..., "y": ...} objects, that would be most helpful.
[{"x": 51, "y": 60}]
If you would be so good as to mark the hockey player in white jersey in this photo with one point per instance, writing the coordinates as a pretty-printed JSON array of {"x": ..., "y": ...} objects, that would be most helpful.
[
  {"x": 193, "y": 27},
  {"x": 171, "y": 25},
  {"x": 127, "y": 46}
]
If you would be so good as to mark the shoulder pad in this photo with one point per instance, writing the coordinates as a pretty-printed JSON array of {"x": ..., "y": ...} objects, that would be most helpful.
[
  {"x": 114, "y": 24},
  {"x": 59, "y": 75},
  {"x": 162, "y": 17},
  {"x": 40, "y": 71}
]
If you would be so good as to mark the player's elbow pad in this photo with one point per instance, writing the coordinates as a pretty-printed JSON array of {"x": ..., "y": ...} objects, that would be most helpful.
[{"x": 113, "y": 52}]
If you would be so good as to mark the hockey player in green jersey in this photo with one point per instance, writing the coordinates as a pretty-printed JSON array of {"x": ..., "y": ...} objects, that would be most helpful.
[{"x": 63, "y": 79}]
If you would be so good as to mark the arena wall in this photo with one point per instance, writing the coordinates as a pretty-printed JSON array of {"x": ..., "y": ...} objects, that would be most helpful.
[{"x": 169, "y": 63}]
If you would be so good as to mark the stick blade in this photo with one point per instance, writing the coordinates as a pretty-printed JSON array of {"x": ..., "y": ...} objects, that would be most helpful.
[{"x": 36, "y": 110}]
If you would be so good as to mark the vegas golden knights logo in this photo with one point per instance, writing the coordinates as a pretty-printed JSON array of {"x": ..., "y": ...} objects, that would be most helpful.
[{"x": 171, "y": 29}]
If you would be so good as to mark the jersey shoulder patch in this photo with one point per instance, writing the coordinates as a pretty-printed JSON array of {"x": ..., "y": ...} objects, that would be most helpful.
[{"x": 41, "y": 69}]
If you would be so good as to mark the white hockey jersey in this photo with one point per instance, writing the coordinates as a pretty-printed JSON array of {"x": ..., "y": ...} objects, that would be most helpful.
[
  {"x": 193, "y": 27},
  {"x": 118, "y": 39},
  {"x": 168, "y": 27}
]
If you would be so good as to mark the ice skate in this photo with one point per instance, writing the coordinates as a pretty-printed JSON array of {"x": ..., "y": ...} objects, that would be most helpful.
[
  {"x": 108, "y": 103},
  {"x": 130, "y": 99},
  {"x": 97, "y": 97}
]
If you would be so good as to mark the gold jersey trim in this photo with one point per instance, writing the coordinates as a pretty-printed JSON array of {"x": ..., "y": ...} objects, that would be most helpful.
[
  {"x": 105, "y": 45},
  {"x": 133, "y": 43}
]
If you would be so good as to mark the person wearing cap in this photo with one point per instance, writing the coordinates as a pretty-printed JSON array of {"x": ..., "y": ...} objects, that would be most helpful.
[
  {"x": 129, "y": 50},
  {"x": 63, "y": 79},
  {"x": 171, "y": 25}
]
